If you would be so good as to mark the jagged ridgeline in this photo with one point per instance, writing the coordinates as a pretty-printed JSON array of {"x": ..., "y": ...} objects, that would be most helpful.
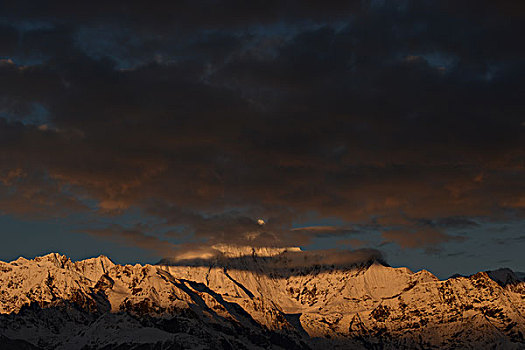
[{"x": 245, "y": 298}]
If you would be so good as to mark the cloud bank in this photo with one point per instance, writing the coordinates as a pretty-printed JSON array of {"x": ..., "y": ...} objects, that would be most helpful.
[{"x": 206, "y": 117}]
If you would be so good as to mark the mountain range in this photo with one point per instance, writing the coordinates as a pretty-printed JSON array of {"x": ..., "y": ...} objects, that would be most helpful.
[{"x": 254, "y": 298}]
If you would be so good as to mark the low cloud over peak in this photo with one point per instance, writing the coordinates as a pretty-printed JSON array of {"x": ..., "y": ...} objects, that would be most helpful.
[{"x": 272, "y": 258}]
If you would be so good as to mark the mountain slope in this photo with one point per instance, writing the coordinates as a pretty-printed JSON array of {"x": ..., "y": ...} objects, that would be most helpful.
[{"x": 254, "y": 298}]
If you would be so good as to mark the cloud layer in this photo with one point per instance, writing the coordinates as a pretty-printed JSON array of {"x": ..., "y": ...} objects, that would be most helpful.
[{"x": 209, "y": 116}]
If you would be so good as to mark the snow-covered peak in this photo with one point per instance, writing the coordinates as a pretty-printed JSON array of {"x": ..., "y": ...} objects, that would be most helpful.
[
  {"x": 53, "y": 259},
  {"x": 99, "y": 260},
  {"x": 94, "y": 268},
  {"x": 56, "y": 259}
]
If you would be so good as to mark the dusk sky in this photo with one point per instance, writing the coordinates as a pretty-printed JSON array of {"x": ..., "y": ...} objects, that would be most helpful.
[{"x": 142, "y": 131}]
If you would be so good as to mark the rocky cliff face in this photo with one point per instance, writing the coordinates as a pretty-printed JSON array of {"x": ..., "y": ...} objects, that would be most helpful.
[{"x": 254, "y": 298}]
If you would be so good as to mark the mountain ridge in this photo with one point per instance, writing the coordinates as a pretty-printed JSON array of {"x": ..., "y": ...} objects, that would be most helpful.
[{"x": 251, "y": 301}]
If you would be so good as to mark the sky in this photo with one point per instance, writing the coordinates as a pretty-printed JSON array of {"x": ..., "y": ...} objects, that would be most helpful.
[{"x": 142, "y": 132}]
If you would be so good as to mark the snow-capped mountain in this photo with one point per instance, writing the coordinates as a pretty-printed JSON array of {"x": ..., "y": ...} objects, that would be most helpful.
[{"x": 250, "y": 298}]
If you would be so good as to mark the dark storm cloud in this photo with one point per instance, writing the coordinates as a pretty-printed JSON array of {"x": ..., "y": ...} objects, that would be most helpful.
[
  {"x": 179, "y": 14},
  {"x": 136, "y": 238},
  {"x": 417, "y": 237},
  {"x": 209, "y": 116}
]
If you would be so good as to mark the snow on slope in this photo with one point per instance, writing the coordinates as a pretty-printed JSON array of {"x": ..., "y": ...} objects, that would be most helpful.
[{"x": 255, "y": 298}]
